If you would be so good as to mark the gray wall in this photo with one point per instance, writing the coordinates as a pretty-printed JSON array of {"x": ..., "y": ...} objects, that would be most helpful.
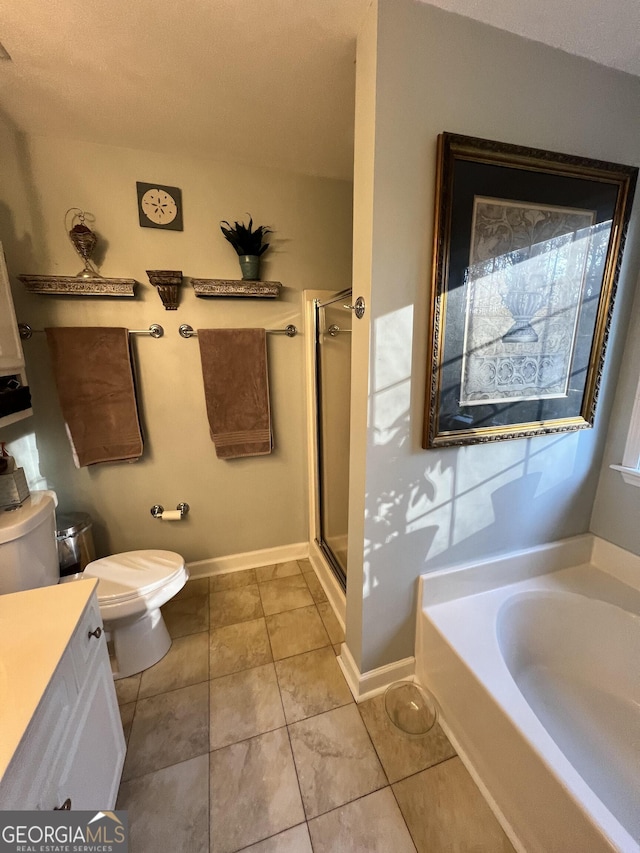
[
  {"x": 236, "y": 506},
  {"x": 429, "y": 509},
  {"x": 616, "y": 512}
]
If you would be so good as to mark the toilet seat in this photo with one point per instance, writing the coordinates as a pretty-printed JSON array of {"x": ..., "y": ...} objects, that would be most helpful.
[{"x": 134, "y": 574}]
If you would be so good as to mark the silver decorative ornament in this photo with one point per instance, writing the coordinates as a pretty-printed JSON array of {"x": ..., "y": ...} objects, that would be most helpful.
[{"x": 83, "y": 240}]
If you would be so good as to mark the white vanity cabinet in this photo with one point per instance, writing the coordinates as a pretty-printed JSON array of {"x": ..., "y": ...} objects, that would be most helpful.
[
  {"x": 68, "y": 750},
  {"x": 11, "y": 355}
]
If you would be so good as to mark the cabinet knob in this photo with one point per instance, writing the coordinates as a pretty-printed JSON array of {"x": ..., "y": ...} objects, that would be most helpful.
[
  {"x": 65, "y": 807},
  {"x": 97, "y": 633}
]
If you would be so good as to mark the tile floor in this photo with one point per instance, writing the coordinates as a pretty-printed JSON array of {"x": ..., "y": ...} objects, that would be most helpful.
[{"x": 246, "y": 737}]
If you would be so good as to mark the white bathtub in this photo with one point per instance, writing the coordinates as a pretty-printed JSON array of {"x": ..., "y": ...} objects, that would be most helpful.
[{"x": 534, "y": 660}]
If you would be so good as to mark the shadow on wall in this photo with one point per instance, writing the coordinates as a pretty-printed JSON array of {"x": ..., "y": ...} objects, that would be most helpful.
[
  {"x": 20, "y": 209},
  {"x": 19, "y": 221},
  {"x": 453, "y": 507},
  {"x": 428, "y": 510},
  {"x": 22, "y": 237}
]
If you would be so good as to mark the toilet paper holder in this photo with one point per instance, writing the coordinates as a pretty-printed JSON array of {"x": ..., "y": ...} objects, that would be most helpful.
[{"x": 157, "y": 510}]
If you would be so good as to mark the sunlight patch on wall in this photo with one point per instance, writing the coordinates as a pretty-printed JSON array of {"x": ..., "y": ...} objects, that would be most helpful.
[
  {"x": 370, "y": 582},
  {"x": 555, "y": 460},
  {"x": 366, "y": 575},
  {"x": 465, "y": 495},
  {"x": 25, "y": 451},
  {"x": 441, "y": 520},
  {"x": 488, "y": 463},
  {"x": 456, "y": 493},
  {"x": 460, "y": 504},
  {"x": 482, "y": 471},
  {"x": 391, "y": 400},
  {"x": 431, "y": 505},
  {"x": 390, "y": 412},
  {"x": 393, "y": 338},
  {"x": 436, "y": 491}
]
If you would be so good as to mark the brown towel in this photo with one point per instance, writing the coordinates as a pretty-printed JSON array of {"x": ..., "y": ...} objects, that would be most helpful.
[
  {"x": 94, "y": 377},
  {"x": 236, "y": 389}
]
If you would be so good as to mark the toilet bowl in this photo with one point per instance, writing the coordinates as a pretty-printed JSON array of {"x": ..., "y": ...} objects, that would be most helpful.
[{"x": 132, "y": 587}]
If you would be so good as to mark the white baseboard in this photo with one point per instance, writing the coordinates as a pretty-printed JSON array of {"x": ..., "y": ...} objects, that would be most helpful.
[
  {"x": 248, "y": 560},
  {"x": 332, "y": 588},
  {"x": 369, "y": 684}
]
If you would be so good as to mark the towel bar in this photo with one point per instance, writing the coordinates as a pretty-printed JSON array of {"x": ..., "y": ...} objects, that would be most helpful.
[
  {"x": 156, "y": 331},
  {"x": 290, "y": 331}
]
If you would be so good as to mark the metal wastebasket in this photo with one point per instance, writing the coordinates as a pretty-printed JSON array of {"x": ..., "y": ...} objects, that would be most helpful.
[{"x": 75, "y": 542}]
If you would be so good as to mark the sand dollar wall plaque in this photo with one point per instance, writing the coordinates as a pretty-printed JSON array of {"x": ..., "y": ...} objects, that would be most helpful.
[{"x": 159, "y": 206}]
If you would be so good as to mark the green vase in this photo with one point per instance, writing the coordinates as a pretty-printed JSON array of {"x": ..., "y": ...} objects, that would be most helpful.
[{"x": 250, "y": 266}]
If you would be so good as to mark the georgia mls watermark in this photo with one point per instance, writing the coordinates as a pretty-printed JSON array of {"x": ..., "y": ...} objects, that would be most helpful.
[{"x": 63, "y": 832}]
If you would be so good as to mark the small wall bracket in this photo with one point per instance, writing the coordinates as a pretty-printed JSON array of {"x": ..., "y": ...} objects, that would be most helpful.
[{"x": 358, "y": 307}]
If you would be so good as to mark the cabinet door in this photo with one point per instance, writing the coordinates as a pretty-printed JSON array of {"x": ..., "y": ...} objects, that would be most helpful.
[
  {"x": 86, "y": 646},
  {"x": 28, "y": 782},
  {"x": 94, "y": 752},
  {"x": 11, "y": 357}
]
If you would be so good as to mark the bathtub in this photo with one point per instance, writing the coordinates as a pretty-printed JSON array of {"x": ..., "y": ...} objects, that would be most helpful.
[{"x": 534, "y": 660}]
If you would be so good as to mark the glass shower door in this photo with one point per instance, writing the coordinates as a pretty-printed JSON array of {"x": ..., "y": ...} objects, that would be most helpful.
[{"x": 333, "y": 386}]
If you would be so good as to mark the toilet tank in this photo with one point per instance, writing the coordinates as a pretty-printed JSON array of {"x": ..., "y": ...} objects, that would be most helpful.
[{"x": 28, "y": 551}]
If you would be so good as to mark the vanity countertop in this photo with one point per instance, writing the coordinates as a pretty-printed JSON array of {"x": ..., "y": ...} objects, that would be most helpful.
[{"x": 35, "y": 629}]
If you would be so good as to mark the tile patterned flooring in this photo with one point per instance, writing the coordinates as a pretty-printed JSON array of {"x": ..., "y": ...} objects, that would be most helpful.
[{"x": 246, "y": 737}]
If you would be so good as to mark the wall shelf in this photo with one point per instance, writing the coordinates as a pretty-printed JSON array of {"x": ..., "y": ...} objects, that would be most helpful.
[
  {"x": 71, "y": 285},
  {"x": 206, "y": 287}
]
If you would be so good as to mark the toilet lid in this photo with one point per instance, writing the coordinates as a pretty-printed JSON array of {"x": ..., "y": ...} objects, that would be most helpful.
[{"x": 133, "y": 573}]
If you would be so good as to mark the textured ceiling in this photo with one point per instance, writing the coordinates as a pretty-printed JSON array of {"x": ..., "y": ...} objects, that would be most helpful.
[
  {"x": 263, "y": 81},
  {"x": 606, "y": 31}
]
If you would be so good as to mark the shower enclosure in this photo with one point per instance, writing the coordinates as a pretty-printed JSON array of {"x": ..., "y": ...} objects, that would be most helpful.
[{"x": 333, "y": 390}]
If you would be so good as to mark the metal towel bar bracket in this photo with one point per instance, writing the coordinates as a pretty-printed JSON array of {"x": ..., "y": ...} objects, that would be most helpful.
[
  {"x": 334, "y": 330},
  {"x": 187, "y": 331},
  {"x": 358, "y": 307},
  {"x": 154, "y": 330}
]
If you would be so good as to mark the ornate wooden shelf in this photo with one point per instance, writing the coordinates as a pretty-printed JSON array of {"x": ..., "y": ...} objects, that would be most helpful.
[
  {"x": 71, "y": 285},
  {"x": 225, "y": 287}
]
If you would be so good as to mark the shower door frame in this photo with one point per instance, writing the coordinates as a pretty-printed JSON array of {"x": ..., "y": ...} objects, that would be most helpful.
[{"x": 325, "y": 548}]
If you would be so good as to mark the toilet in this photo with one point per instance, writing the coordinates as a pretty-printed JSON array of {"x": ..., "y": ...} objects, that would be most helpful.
[{"x": 132, "y": 587}]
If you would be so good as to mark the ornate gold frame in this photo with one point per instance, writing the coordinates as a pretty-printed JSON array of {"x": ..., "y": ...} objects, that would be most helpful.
[{"x": 610, "y": 178}]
